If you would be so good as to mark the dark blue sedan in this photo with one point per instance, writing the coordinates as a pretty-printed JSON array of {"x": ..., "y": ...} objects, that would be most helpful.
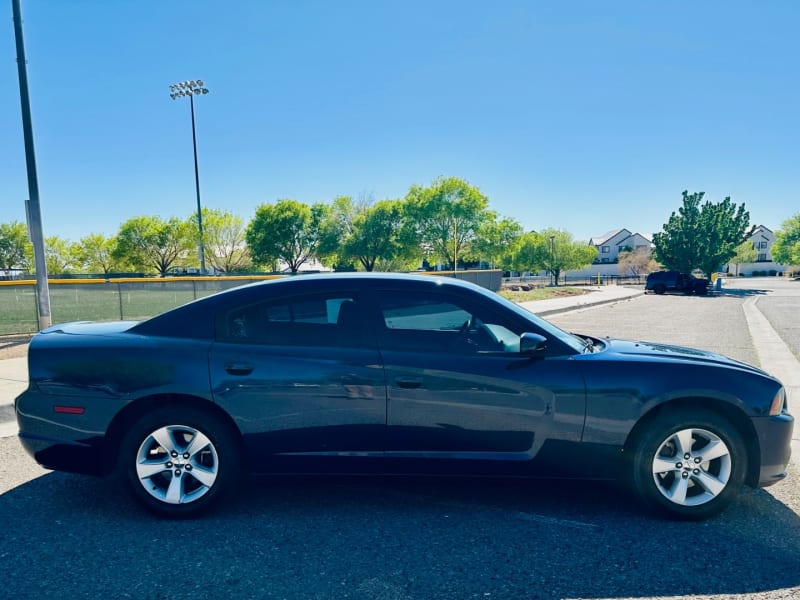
[{"x": 392, "y": 374}]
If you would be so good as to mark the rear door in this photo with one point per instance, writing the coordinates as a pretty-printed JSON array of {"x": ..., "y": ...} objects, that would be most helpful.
[{"x": 302, "y": 378}]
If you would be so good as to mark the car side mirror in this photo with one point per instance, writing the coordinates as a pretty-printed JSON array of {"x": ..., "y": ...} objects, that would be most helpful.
[{"x": 532, "y": 344}]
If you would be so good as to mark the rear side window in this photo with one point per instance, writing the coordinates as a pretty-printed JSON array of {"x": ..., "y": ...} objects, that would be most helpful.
[{"x": 309, "y": 320}]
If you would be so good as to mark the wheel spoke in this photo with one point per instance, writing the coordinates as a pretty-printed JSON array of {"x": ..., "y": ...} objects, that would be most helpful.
[
  {"x": 678, "y": 492},
  {"x": 710, "y": 483},
  {"x": 175, "y": 490},
  {"x": 205, "y": 476},
  {"x": 663, "y": 465},
  {"x": 199, "y": 441},
  {"x": 714, "y": 449},
  {"x": 145, "y": 470},
  {"x": 684, "y": 439},
  {"x": 164, "y": 438}
]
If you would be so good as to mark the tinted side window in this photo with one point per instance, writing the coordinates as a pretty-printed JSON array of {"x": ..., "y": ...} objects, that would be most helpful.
[
  {"x": 431, "y": 323},
  {"x": 309, "y": 320}
]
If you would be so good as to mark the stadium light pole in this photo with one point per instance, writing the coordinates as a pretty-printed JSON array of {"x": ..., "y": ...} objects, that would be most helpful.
[{"x": 191, "y": 89}]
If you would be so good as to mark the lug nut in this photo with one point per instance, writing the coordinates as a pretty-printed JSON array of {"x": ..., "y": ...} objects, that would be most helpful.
[
  {"x": 173, "y": 454},
  {"x": 169, "y": 465},
  {"x": 697, "y": 471},
  {"x": 698, "y": 460},
  {"x": 679, "y": 465},
  {"x": 687, "y": 456},
  {"x": 185, "y": 455},
  {"x": 685, "y": 474}
]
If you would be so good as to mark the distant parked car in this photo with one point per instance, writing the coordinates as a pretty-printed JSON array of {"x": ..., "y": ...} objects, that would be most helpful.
[
  {"x": 675, "y": 281},
  {"x": 392, "y": 374}
]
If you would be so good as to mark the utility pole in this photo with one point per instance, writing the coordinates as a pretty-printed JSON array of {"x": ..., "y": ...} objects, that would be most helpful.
[{"x": 33, "y": 210}]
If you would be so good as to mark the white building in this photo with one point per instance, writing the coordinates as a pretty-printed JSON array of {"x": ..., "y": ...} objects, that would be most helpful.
[
  {"x": 762, "y": 239},
  {"x": 619, "y": 240}
]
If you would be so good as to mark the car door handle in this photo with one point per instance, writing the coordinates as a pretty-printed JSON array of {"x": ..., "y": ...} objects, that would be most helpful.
[
  {"x": 239, "y": 368},
  {"x": 408, "y": 382}
]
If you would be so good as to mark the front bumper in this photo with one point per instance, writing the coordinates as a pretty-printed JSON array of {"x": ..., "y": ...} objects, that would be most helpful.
[{"x": 775, "y": 439}]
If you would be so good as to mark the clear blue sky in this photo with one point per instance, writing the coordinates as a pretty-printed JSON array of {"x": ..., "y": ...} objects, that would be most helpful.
[{"x": 586, "y": 116}]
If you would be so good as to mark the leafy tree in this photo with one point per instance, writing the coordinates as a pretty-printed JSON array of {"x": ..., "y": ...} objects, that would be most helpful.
[
  {"x": 13, "y": 244},
  {"x": 336, "y": 228},
  {"x": 150, "y": 243},
  {"x": 445, "y": 217},
  {"x": 554, "y": 251},
  {"x": 287, "y": 230},
  {"x": 497, "y": 240},
  {"x": 701, "y": 237},
  {"x": 745, "y": 253},
  {"x": 94, "y": 253},
  {"x": 636, "y": 262},
  {"x": 61, "y": 256},
  {"x": 786, "y": 249},
  {"x": 224, "y": 240},
  {"x": 376, "y": 235}
]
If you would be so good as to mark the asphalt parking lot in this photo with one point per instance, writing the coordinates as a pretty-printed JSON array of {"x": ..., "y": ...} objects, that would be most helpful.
[{"x": 68, "y": 536}]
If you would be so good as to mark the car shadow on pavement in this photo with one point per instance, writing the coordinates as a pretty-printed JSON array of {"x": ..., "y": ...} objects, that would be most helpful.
[{"x": 389, "y": 538}]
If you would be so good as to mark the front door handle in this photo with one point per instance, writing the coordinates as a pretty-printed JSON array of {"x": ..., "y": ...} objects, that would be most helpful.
[
  {"x": 408, "y": 382},
  {"x": 239, "y": 368}
]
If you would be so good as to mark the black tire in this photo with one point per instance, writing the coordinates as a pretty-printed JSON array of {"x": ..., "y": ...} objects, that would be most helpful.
[
  {"x": 202, "y": 467},
  {"x": 693, "y": 488},
  {"x": 659, "y": 288}
]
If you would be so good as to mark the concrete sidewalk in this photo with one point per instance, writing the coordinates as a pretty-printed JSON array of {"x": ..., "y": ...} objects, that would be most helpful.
[
  {"x": 14, "y": 371},
  {"x": 596, "y": 296}
]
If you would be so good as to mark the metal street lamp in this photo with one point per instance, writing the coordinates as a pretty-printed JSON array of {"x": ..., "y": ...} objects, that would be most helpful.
[
  {"x": 192, "y": 89},
  {"x": 552, "y": 257}
]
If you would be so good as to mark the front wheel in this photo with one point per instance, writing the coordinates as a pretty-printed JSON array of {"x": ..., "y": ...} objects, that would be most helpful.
[
  {"x": 689, "y": 464},
  {"x": 659, "y": 288},
  {"x": 179, "y": 461}
]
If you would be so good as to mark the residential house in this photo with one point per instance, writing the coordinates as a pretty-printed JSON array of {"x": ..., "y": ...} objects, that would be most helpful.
[{"x": 612, "y": 243}]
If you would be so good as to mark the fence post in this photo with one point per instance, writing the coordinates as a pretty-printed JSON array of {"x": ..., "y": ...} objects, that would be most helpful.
[{"x": 119, "y": 295}]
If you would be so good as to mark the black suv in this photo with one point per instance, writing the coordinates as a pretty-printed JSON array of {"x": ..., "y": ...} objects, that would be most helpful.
[{"x": 675, "y": 281}]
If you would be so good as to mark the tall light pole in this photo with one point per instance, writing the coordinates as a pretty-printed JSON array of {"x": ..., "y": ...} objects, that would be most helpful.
[
  {"x": 33, "y": 211},
  {"x": 552, "y": 258},
  {"x": 192, "y": 89}
]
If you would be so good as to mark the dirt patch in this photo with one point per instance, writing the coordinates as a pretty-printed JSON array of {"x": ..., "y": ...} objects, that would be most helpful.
[{"x": 14, "y": 346}]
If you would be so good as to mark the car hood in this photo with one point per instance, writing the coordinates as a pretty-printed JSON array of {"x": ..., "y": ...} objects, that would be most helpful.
[{"x": 654, "y": 351}]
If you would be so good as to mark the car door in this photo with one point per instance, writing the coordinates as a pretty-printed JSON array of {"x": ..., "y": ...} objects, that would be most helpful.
[
  {"x": 460, "y": 390},
  {"x": 301, "y": 377}
]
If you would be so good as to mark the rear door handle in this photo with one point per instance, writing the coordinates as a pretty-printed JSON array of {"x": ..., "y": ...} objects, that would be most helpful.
[
  {"x": 408, "y": 382},
  {"x": 239, "y": 368}
]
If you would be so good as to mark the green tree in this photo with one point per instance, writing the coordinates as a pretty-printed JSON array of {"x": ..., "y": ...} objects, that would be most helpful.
[
  {"x": 94, "y": 252},
  {"x": 151, "y": 243},
  {"x": 375, "y": 236},
  {"x": 61, "y": 256},
  {"x": 13, "y": 245},
  {"x": 224, "y": 240},
  {"x": 786, "y": 249},
  {"x": 554, "y": 251},
  {"x": 335, "y": 228},
  {"x": 445, "y": 217},
  {"x": 496, "y": 241},
  {"x": 744, "y": 253},
  {"x": 701, "y": 236},
  {"x": 288, "y": 231}
]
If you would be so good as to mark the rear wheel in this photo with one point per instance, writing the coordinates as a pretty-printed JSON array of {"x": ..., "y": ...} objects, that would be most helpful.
[
  {"x": 689, "y": 464},
  {"x": 659, "y": 288},
  {"x": 179, "y": 462}
]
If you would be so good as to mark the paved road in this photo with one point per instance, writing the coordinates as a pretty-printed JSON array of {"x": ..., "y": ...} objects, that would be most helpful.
[{"x": 67, "y": 536}]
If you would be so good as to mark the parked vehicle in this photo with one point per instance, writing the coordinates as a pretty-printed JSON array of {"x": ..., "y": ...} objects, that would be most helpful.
[
  {"x": 675, "y": 281},
  {"x": 378, "y": 373}
]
